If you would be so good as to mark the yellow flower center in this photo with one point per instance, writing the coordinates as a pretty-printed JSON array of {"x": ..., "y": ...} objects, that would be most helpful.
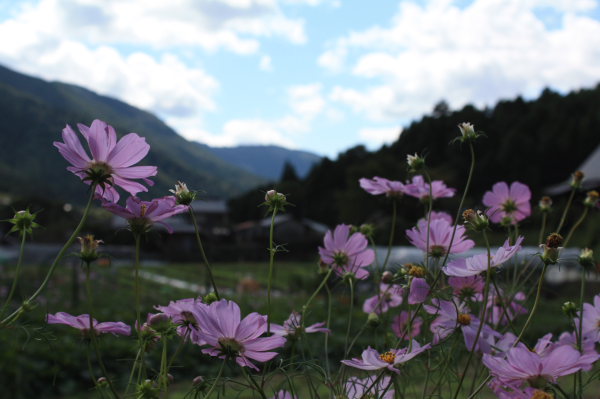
[
  {"x": 464, "y": 319},
  {"x": 542, "y": 395},
  {"x": 388, "y": 357},
  {"x": 143, "y": 210},
  {"x": 416, "y": 271}
]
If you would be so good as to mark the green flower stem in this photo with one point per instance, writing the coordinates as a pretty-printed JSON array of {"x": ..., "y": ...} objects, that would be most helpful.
[
  {"x": 392, "y": 233},
  {"x": 314, "y": 294},
  {"x": 164, "y": 380},
  {"x": 203, "y": 253},
  {"x": 135, "y": 365},
  {"x": 428, "y": 216},
  {"x": 543, "y": 228},
  {"x": 362, "y": 329},
  {"x": 535, "y": 305},
  {"x": 482, "y": 316},
  {"x": 566, "y": 210},
  {"x": 271, "y": 261},
  {"x": 329, "y": 303},
  {"x": 17, "y": 273},
  {"x": 92, "y": 332},
  {"x": 136, "y": 267},
  {"x": 251, "y": 380},
  {"x": 212, "y": 388},
  {"x": 576, "y": 225},
  {"x": 17, "y": 313},
  {"x": 579, "y": 378},
  {"x": 350, "y": 310}
]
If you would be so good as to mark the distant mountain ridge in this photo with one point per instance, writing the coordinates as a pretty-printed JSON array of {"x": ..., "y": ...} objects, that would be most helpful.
[
  {"x": 33, "y": 113},
  {"x": 267, "y": 161}
]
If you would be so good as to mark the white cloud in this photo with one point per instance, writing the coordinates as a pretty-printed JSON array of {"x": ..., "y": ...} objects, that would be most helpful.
[
  {"x": 489, "y": 50},
  {"x": 377, "y": 136},
  {"x": 306, "y": 100},
  {"x": 265, "y": 63}
]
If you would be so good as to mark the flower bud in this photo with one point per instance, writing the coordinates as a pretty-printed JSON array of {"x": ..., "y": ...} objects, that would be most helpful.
[
  {"x": 577, "y": 179},
  {"x": 591, "y": 199},
  {"x": 24, "y": 222},
  {"x": 415, "y": 162},
  {"x": 570, "y": 309},
  {"x": 89, "y": 248},
  {"x": 148, "y": 390},
  {"x": 170, "y": 378},
  {"x": 467, "y": 131},
  {"x": 183, "y": 194},
  {"x": 387, "y": 277},
  {"x": 586, "y": 258},
  {"x": 545, "y": 204},
  {"x": 373, "y": 320},
  {"x": 476, "y": 220},
  {"x": 275, "y": 201},
  {"x": 210, "y": 298},
  {"x": 367, "y": 230},
  {"x": 160, "y": 323},
  {"x": 102, "y": 382},
  {"x": 552, "y": 249}
]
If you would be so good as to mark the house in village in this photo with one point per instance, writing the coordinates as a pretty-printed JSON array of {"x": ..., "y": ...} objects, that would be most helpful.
[{"x": 591, "y": 169}]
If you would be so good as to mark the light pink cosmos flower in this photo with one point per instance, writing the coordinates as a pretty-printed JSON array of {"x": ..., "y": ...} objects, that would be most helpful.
[
  {"x": 143, "y": 214},
  {"x": 183, "y": 313},
  {"x": 229, "y": 336},
  {"x": 400, "y": 324},
  {"x": 293, "y": 327},
  {"x": 590, "y": 324},
  {"x": 347, "y": 253},
  {"x": 418, "y": 188},
  {"x": 378, "y": 185},
  {"x": 390, "y": 296},
  {"x": 111, "y": 158},
  {"x": 504, "y": 202},
  {"x": 474, "y": 265},
  {"x": 356, "y": 388},
  {"x": 502, "y": 309},
  {"x": 373, "y": 360},
  {"x": 520, "y": 365},
  {"x": 589, "y": 356},
  {"x": 284, "y": 395},
  {"x": 440, "y": 233},
  {"x": 419, "y": 289},
  {"x": 467, "y": 288},
  {"x": 82, "y": 323},
  {"x": 439, "y": 215}
]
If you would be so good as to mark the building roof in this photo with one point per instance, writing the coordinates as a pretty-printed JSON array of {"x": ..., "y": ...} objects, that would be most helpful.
[{"x": 590, "y": 167}]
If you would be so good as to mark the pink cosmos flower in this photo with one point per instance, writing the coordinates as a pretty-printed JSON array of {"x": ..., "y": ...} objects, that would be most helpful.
[
  {"x": 82, "y": 323},
  {"x": 390, "y": 296},
  {"x": 284, "y": 395},
  {"x": 183, "y": 313},
  {"x": 520, "y": 365},
  {"x": 232, "y": 337},
  {"x": 453, "y": 315},
  {"x": 479, "y": 263},
  {"x": 504, "y": 202},
  {"x": 418, "y": 188},
  {"x": 111, "y": 160},
  {"x": 372, "y": 360},
  {"x": 356, "y": 388},
  {"x": 378, "y": 185},
  {"x": 439, "y": 215},
  {"x": 589, "y": 356},
  {"x": 499, "y": 312},
  {"x": 293, "y": 327},
  {"x": 400, "y": 324},
  {"x": 419, "y": 289},
  {"x": 347, "y": 253},
  {"x": 467, "y": 288},
  {"x": 440, "y": 233},
  {"x": 590, "y": 324},
  {"x": 143, "y": 214}
]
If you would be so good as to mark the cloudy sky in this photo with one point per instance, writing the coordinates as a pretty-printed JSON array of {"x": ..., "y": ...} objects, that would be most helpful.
[{"x": 321, "y": 75}]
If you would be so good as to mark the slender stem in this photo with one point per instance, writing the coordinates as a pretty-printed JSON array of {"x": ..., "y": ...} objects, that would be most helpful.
[
  {"x": 271, "y": 261},
  {"x": 17, "y": 313},
  {"x": 368, "y": 390},
  {"x": 543, "y": 228},
  {"x": 212, "y": 388},
  {"x": 392, "y": 232},
  {"x": 136, "y": 266},
  {"x": 578, "y": 377},
  {"x": 482, "y": 316},
  {"x": 17, "y": 273},
  {"x": 566, "y": 210},
  {"x": 314, "y": 294},
  {"x": 328, "y": 371},
  {"x": 362, "y": 329},
  {"x": 163, "y": 365},
  {"x": 350, "y": 310},
  {"x": 576, "y": 225},
  {"x": 202, "y": 252},
  {"x": 256, "y": 386},
  {"x": 535, "y": 305},
  {"x": 135, "y": 365},
  {"x": 428, "y": 216}
]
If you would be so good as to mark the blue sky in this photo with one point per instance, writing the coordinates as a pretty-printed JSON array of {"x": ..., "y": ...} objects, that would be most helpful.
[{"x": 321, "y": 75}]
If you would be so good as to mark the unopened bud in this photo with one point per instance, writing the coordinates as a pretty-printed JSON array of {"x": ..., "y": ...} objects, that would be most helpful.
[
  {"x": 577, "y": 179},
  {"x": 467, "y": 131},
  {"x": 23, "y": 222},
  {"x": 183, "y": 194},
  {"x": 415, "y": 162},
  {"x": 367, "y": 230},
  {"x": 198, "y": 382},
  {"x": 591, "y": 199},
  {"x": 102, "y": 382},
  {"x": 570, "y": 309},
  {"x": 147, "y": 390},
  {"x": 275, "y": 200},
  {"x": 373, "y": 320},
  {"x": 210, "y": 298},
  {"x": 476, "y": 220},
  {"x": 387, "y": 277},
  {"x": 160, "y": 323},
  {"x": 586, "y": 258},
  {"x": 545, "y": 204},
  {"x": 170, "y": 378}
]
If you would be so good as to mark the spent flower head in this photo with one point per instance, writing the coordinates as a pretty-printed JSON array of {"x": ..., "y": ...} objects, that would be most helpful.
[
  {"x": 23, "y": 222},
  {"x": 545, "y": 204},
  {"x": 577, "y": 179},
  {"x": 89, "y": 248},
  {"x": 551, "y": 249},
  {"x": 591, "y": 199},
  {"x": 476, "y": 220},
  {"x": 586, "y": 258},
  {"x": 183, "y": 194}
]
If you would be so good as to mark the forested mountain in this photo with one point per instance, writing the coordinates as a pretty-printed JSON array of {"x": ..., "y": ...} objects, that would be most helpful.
[
  {"x": 33, "y": 113},
  {"x": 539, "y": 142}
]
